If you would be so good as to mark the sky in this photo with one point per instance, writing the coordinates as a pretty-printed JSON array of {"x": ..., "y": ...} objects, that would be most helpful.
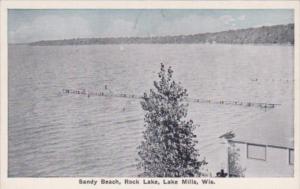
[{"x": 29, "y": 25}]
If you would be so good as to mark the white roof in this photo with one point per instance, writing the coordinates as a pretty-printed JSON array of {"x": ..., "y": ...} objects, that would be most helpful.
[{"x": 274, "y": 127}]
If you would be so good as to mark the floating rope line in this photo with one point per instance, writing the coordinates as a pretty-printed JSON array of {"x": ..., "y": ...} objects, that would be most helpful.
[{"x": 133, "y": 96}]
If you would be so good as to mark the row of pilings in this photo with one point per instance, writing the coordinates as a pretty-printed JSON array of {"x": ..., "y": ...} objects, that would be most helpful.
[{"x": 194, "y": 100}]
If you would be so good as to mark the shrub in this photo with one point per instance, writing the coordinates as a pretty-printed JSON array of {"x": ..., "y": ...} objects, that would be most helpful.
[{"x": 168, "y": 148}]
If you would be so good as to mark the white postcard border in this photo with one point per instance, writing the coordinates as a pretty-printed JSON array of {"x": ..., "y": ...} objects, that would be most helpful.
[{"x": 69, "y": 182}]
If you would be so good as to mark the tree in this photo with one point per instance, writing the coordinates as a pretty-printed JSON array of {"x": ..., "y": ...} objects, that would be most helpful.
[
  {"x": 235, "y": 169},
  {"x": 168, "y": 148}
]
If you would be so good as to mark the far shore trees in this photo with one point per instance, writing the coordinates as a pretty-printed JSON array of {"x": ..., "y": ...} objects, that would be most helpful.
[{"x": 168, "y": 148}]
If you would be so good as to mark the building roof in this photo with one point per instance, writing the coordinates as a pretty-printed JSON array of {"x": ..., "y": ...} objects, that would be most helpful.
[{"x": 274, "y": 127}]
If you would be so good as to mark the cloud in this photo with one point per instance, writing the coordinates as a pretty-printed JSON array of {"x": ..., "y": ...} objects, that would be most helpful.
[
  {"x": 193, "y": 24},
  {"x": 50, "y": 27},
  {"x": 120, "y": 28},
  {"x": 190, "y": 24}
]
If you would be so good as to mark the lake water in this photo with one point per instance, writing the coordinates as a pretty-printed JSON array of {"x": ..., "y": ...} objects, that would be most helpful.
[{"x": 53, "y": 134}]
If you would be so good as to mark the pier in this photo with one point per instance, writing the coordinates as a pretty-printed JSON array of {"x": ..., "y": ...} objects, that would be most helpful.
[{"x": 193, "y": 100}]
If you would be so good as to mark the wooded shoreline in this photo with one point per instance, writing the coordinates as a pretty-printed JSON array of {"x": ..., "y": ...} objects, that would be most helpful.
[{"x": 278, "y": 34}]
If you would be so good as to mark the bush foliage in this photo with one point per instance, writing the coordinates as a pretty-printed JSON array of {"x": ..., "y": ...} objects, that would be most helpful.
[
  {"x": 168, "y": 148},
  {"x": 235, "y": 169}
]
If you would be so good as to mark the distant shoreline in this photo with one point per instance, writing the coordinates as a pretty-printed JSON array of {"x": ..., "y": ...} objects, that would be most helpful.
[
  {"x": 277, "y": 34},
  {"x": 136, "y": 44}
]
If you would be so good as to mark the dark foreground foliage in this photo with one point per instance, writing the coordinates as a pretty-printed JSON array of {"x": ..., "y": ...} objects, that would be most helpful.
[
  {"x": 235, "y": 169},
  {"x": 168, "y": 148}
]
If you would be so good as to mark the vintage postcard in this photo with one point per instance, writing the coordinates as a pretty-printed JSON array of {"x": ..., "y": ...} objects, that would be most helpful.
[{"x": 149, "y": 94}]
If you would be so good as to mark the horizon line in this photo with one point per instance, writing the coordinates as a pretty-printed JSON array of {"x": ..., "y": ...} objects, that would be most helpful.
[{"x": 122, "y": 37}]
